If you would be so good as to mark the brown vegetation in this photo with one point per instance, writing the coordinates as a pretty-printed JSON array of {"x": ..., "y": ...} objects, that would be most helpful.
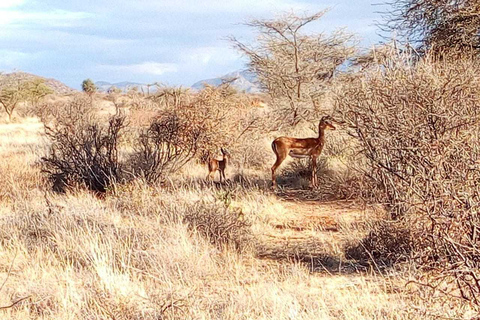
[
  {"x": 417, "y": 124},
  {"x": 390, "y": 231},
  {"x": 83, "y": 151},
  {"x": 437, "y": 25}
]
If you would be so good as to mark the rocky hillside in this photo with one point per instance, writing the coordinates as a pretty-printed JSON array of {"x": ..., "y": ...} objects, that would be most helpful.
[
  {"x": 241, "y": 80},
  {"x": 58, "y": 87},
  {"x": 125, "y": 86}
]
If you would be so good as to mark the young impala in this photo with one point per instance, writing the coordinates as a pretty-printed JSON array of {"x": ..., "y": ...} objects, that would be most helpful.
[
  {"x": 220, "y": 165},
  {"x": 301, "y": 148}
]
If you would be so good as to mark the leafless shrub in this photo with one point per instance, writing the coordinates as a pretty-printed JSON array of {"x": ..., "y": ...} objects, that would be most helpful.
[
  {"x": 214, "y": 118},
  {"x": 83, "y": 151},
  {"x": 171, "y": 97},
  {"x": 221, "y": 225},
  {"x": 436, "y": 24},
  {"x": 226, "y": 117},
  {"x": 417, "y": 125},
  {"x": 138, "y": 102},
  {"x": 166, "y": 146}
]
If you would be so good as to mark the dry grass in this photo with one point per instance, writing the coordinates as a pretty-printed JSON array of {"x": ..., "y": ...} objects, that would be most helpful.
[{"x": 131, "y": 256}]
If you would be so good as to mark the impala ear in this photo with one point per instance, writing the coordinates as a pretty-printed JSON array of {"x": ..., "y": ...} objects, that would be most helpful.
[{"x": 326, "y": 118}]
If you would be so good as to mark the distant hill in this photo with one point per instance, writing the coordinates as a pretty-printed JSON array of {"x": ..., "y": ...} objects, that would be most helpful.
[
  {"x": 58, "y": 87},
  {"x": 125, "y": 86},
  {"x": 244, "y": 81}
]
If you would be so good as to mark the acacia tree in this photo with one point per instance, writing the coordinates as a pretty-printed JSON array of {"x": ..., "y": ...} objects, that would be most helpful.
[
  {"x": 437, "y": 24},
  {"x": 89, "y": 87},
  {"x": 36, "y": 90},
  {"x": 10, "y": 98},
  {"x": 293, "y": 66}
]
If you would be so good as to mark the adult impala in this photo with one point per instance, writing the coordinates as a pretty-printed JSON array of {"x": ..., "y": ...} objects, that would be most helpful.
[{"x": 301, "y": 148}]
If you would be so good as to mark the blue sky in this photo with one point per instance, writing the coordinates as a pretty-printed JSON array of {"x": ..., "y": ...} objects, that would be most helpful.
[{"x": 174, "y": 42}]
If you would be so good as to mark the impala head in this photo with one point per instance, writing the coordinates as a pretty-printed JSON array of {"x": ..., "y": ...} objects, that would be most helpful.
[
  {"x": 326, "y": 124},
  {"x": 225, "y": 153}
]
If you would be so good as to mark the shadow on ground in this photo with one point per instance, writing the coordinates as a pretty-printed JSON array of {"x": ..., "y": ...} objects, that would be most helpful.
[
  {"x": 310, "y": 255},
  {"x": 311, "y": 211},
  {"x": 237, "y": 182}
]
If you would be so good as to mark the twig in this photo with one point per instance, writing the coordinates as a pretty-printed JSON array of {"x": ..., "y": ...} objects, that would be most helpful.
[{"x": 16, "y": 302}]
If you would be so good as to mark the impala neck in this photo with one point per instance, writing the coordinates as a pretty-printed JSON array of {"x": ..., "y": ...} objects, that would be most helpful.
[{"x": 321, "y": 133}]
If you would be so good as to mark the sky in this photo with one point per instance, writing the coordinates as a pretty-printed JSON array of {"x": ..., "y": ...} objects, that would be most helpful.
[{"x": 173, "y": 42}]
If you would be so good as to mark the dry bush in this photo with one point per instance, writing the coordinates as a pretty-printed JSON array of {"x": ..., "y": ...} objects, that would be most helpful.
[
  {"x": 417, "y": 124},
  {"x": 436, "y": 24},
  {"x": 171, "y": 97},
  {"x": 168, "y": 144},
  {"x": 225, "y": 119},
  {"x": 225, "y": 116},
  {"x": 138, "y": 102},
  {"x": 213, "y": 118},
  {"x": 302, "y": 168},
  {"x": 298, "y": 172},
  {"x": 83, "y": 152},
  {"x": 340, "y": 175},
  {"x": 219, "y": 224}
]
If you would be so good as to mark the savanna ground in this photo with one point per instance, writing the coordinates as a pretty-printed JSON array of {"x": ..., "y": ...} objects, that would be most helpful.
[
  {"x": 110, "y": 217},
  {"x": 133, "y": 254}
]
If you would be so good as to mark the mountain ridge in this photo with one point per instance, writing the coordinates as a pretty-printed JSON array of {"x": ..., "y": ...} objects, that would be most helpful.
[{"x": 240, "y": 80}]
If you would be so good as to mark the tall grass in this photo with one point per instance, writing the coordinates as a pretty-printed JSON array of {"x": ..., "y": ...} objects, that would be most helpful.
[{"x": 135, "y": 254}]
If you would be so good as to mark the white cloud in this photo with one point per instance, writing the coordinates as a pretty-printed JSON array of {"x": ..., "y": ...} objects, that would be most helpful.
[
  {"x": 154, "y": 68},
  {"x": 6, "y": 4},
  {"x": 212, "y": 54},
  {"x": 55, "y": 18},
  {"x": 222, "y": 6}
]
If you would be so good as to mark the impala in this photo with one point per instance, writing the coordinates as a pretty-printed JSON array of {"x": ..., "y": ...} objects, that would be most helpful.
[
  {"x": 220, "y": 165},
  {"x": 301, "y": 148}
]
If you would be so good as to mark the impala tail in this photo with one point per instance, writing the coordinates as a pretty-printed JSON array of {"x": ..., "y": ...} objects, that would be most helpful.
[{"x": 274, "y": 146}]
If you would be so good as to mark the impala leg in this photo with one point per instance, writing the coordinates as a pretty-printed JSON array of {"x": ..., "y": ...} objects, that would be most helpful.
[
  {"x": 280, "y": 158},
  {"x": 314, "y": 172},
  {"x": 224, "y": 178},
  {"x": 211, "y": 171}
]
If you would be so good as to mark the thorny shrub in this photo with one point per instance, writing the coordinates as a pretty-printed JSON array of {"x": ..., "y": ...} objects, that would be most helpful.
[
  {"x": 82, "y": 151},
  {"x": 221, "y": 225},
  {"x": 214, "y": 118},
  {"x": 417, "y": 125},
  {"x": 168, "y": 144}
]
